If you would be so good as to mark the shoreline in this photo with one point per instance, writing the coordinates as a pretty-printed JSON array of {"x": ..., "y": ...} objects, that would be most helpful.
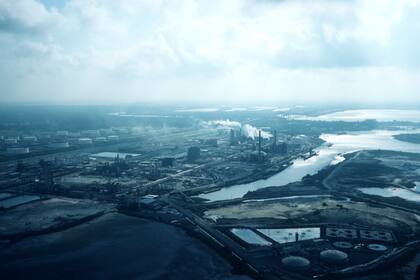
[{"x": 263, "y": 174}]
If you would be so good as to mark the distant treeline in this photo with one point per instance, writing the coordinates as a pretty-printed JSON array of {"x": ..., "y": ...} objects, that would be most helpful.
[{"x": 77, "y": 118}]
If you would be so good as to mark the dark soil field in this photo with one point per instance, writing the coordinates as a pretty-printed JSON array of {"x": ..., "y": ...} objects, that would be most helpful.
[{"x": 113, "y": 246}]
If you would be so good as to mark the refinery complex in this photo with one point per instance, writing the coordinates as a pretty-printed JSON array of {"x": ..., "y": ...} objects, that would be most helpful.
[{"x": 271, "y": 197}]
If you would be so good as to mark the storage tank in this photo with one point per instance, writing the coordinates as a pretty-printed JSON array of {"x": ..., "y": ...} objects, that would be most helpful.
[
  {"x": 334, "y": 256},
  {"x": 113, "y": 137},
  {"x": 343, "y": 245},
  {"x": 84, "y": 141},
  {"x": 100, "y": 139},
  {"x": 295, "y": 263},
  {"x": 377, "y": 247}
]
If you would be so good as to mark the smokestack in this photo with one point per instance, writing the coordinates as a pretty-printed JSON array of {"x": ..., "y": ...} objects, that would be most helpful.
[
  {"x": 259, "y": 144},
  {"x": 275, "y": 141},
  {"x": 232, "y": 137}
]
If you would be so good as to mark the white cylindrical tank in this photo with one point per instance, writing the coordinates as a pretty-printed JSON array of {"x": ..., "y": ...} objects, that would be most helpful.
[
  {"x": 334, "y": 256},
  {"x": 85, "y": 141},
  {"x": 100, "y": 139},
  {"x": 295, "y": 263},
  {"x": 377, "y": 247},
  {"x": 343, "y": 245},
  {"x": 113, "y": 137}
]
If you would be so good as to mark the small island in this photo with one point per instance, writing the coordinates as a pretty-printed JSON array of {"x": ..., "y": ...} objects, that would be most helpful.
[{"x": 411, "y": 138}]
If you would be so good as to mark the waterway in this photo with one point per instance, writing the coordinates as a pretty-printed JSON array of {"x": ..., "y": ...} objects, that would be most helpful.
[
  {"x": 5, "y": 195},
  {"x": 393, "y": 192},
  {"x": 329, "y": 153},
  {"x": 381, "y": 115},
  {"x": 287, "y": 235},
  {"x": 249, "y": 236},
  {"x": 18, "y": 200},
  {"x": 417, "y": 187}
]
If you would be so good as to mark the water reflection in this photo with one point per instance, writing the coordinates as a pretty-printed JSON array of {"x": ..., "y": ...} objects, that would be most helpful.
[
  {"x": 361, "y": 115},
  {"x": 328, "y": 153},
  {"x": 249, "y": 236},
  {"x": 417, "y": 187},
  {"x": 393, "y": 192},
  {"x": 287, "y": 235},
  {"x": 17, "y": 200}
]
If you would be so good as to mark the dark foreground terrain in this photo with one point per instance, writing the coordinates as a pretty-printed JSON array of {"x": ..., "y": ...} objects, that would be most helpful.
[{"x": 114, "y": 246}]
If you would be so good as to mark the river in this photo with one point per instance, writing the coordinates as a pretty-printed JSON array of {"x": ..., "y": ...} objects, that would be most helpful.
[{"x": 329, "y": 153}]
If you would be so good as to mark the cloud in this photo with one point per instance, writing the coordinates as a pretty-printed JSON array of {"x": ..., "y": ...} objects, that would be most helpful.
[
  {"x": 231, "y": 51},
  {"x": 26, "y": 16}
]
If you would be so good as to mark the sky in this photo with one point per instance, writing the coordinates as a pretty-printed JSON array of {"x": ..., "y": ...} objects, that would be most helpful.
[{"x": 221, "y": 52}]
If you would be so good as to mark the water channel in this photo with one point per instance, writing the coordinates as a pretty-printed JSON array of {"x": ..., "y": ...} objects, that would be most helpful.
[{"x": 329, "y": 153}]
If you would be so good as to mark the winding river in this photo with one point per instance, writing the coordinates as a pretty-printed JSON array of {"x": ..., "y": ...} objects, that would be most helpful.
[{"x": 327, "y": 154}]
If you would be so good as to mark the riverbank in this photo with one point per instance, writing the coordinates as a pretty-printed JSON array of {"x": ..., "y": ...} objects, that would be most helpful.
[
  {"x": 330, "y": 153},
  {"x": 410, "y": 138},
  {"x": 48, "y": 216}
]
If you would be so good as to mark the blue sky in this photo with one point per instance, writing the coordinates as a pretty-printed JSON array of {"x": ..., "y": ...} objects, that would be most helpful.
[{"x": 87, "y": 51}]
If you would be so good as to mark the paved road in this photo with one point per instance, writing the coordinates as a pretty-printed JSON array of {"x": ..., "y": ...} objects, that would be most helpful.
[{"x": 218, "y": 238}]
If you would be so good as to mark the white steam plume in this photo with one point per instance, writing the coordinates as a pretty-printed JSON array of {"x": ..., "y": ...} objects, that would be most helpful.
[
  {"x": 227, "y": 124},
  {"x": 248, "y": 130}
]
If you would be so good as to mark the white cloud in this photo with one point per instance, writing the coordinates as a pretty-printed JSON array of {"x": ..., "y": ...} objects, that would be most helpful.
[
  {"x": 289, "y": 51},
  {"x": 26, "y": 16}
]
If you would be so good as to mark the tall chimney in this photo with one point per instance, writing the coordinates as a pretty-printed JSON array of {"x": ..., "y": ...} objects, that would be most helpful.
[
  {"x": 259, "y": 144},
  {"x": 275, "y": 141},
  {"x": 232, "y": 137}
]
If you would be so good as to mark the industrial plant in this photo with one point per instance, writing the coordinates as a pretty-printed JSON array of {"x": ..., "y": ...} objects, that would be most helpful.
[{"x": 273, "y": 197}]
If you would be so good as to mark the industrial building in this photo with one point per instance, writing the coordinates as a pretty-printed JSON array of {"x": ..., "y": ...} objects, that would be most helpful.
[
  {"x": 193, "y": 154},
  {"x": 17, "y": 150},
  {"x": 30, "y": 139},
  {"x": 167, "y": 161},
  {"x": 100, "y": 139},
  {"x": 62, "y": 133},
  {"x": 10, "y": 141},
  {"x": 85, "y": 141},
  {"x": 113, "y": 155},
  {"x": 113, "y": 137},
  {"x": 58, "y": 145}
]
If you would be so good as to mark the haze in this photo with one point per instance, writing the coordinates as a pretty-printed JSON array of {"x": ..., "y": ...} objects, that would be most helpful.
[{"x": 209, "y": 51}]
